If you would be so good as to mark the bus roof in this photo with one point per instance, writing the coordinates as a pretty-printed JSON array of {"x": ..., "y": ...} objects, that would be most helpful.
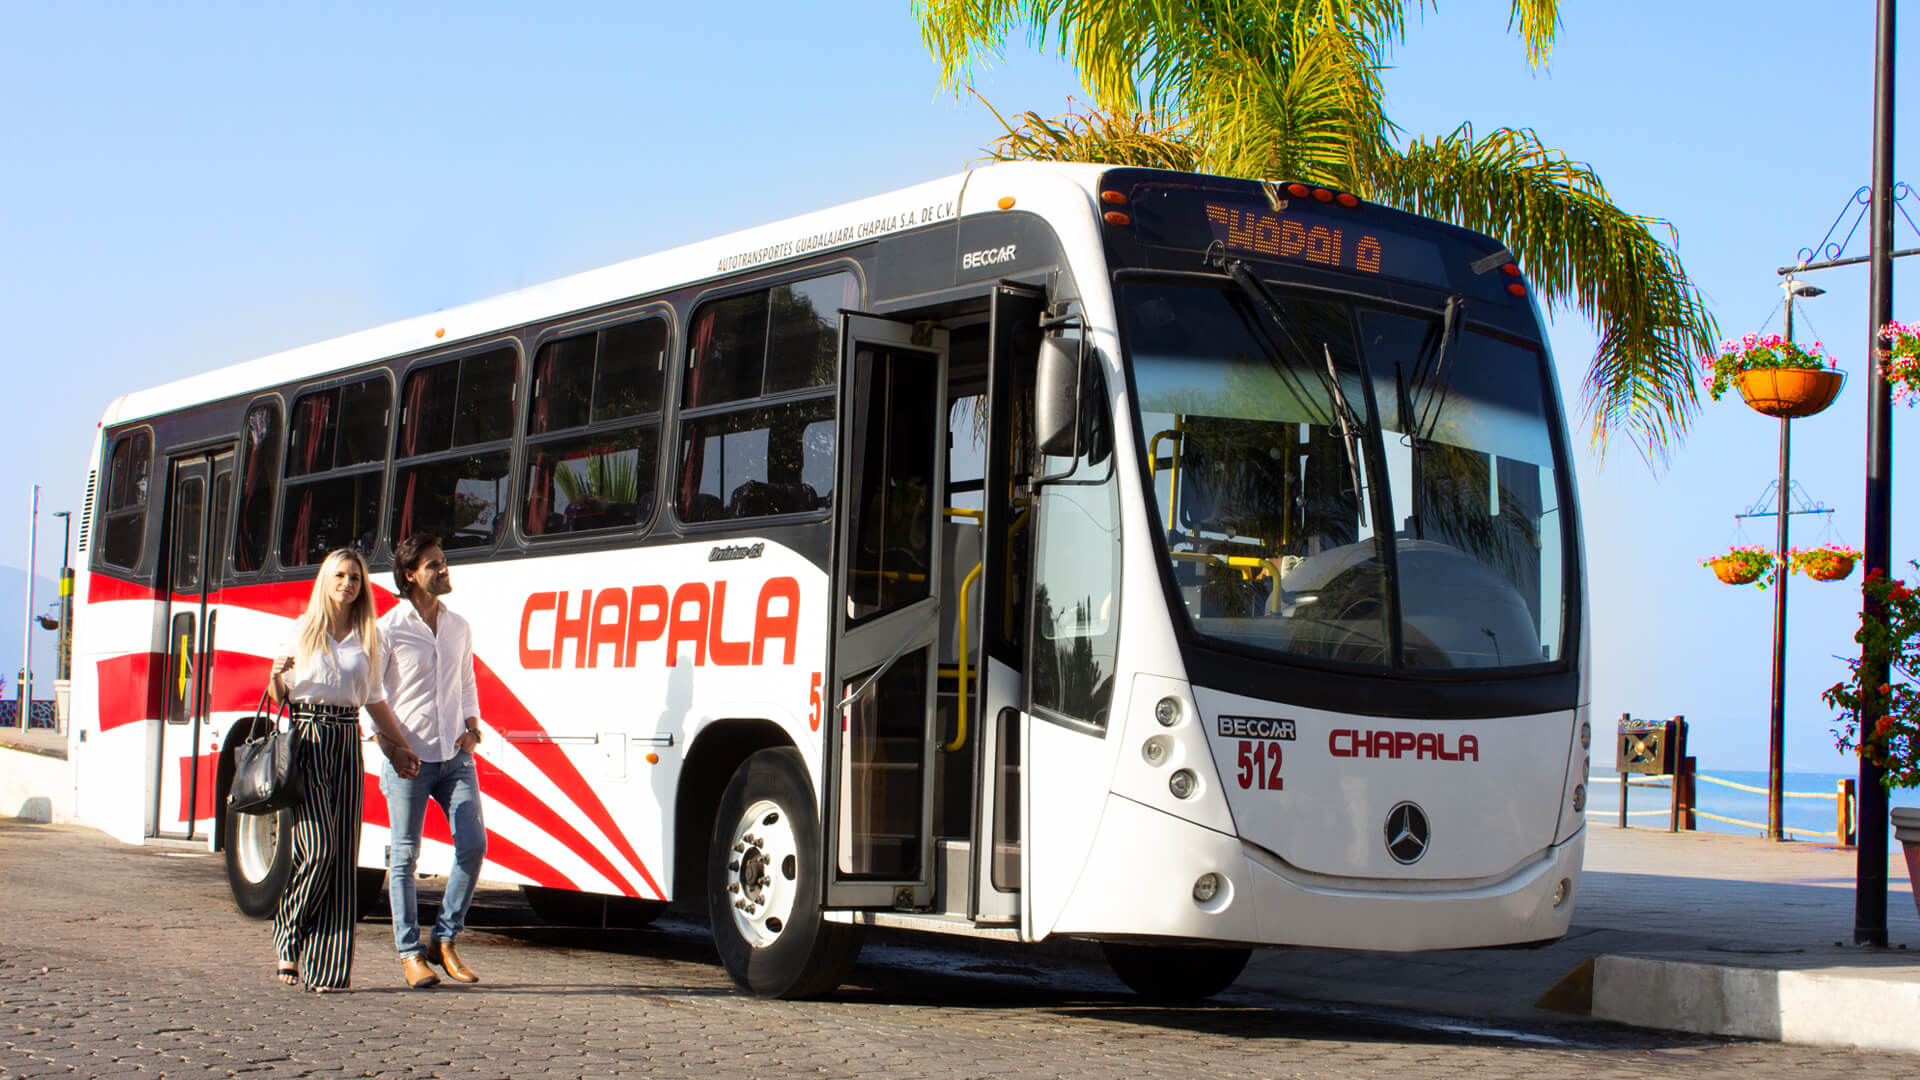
[{"x": 845, "y": 225}]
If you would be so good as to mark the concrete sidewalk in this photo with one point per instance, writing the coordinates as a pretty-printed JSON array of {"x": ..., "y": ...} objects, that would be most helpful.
[{"x": 1701, "y": 932}]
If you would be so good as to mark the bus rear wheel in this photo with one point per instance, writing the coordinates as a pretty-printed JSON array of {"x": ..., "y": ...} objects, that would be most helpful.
[
  {"x": 1175, "y": 973},
  {"x": 763, "y": 884},
  {"x": 259, "y": 858}
]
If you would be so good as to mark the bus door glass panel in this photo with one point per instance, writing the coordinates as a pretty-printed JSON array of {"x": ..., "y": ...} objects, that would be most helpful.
[
  {"x": 880, "y": 753},
  {"x": 1072, "y": 644},
  {"x": 183, "y": 577},
  {"x": 994, "y": 718}
]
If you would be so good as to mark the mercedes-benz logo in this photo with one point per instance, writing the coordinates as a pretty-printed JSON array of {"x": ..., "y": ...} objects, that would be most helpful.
[{"x": 1407, "y": 833}]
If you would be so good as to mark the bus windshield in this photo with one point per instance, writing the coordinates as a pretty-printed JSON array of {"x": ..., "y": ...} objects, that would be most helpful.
[{"x": 1297, "y": 441}]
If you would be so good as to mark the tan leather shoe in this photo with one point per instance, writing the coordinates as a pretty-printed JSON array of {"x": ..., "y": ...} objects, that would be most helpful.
[
  {"x": 444, "y": 954},
  {"x": 419, "y": 975}
]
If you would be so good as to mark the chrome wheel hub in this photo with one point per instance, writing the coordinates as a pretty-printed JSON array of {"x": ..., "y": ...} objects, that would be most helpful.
[{"x": 763, "y": 870}]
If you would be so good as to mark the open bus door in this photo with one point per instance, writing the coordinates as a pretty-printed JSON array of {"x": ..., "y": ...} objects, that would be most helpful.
[
  {"x": 1072, "y": 629},
  {"x": 199, "y": 496},
  {"x": 880, "y": 741}
]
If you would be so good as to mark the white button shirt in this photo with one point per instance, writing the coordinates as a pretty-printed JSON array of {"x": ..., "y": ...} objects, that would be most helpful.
[{"x": 429, "y": 679}]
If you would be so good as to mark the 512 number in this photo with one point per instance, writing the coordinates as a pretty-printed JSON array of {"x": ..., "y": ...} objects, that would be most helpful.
[{"x": 1260, "y": 765}]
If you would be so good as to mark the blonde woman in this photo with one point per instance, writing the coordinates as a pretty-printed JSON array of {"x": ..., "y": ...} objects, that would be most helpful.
[{"x": 328, "y": 673}]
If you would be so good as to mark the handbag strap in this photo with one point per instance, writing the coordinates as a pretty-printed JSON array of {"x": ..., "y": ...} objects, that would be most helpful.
[{"x": 264, "y": 711}]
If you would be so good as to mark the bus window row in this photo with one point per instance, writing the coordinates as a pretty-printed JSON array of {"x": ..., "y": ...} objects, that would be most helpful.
[{"x": 591, "y": 435}]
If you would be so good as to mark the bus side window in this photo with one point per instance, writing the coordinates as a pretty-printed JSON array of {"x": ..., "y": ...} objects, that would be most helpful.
[
  {"x": 336, "y": 452},
  {"x": 259, "y": 472},
  {"x": 593, "y": 431},
  {"x": 124, "y": 513},
  {"x": 452, "y": 457},
  {"x": 755, "y": 459},
  {"x": 1076, "y": 608}
]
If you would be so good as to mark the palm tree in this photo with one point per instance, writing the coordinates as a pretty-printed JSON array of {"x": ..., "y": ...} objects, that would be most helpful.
[{"x": 1290, "y": 89}]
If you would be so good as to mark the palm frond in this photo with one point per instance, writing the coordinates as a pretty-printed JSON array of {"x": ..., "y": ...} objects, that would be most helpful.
[
  {"x": 1138, "y": 139},
  {"x": 1579, "y": 250}
]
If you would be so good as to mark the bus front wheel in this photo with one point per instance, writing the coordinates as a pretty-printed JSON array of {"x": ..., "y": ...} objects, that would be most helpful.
[
  {"x": 763, "y": 884},
  {"x": 1175, "y": 973},
  {"x": 259, "y": 858}
]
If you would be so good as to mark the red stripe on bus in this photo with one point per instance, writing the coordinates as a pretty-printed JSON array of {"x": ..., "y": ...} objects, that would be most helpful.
[
  {"x": 514, "y": 796},
  {"x": 200, "y": 781},
  {"x": 127, "y": 692},
  {"x": 501, "y": 852},
  {"x": 502, "y": 710},
  {"x": 102, "y": 589}
]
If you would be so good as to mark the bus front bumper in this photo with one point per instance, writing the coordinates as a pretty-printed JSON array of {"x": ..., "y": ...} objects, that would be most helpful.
[{"x": 1262, "y": 901}]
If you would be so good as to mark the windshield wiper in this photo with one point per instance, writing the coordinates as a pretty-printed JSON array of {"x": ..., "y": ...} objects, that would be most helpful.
[
  {"x": 1349, "y": 421},
  {"x": 1349, "y": 432},
  {"x": 1440, "y": 381}
]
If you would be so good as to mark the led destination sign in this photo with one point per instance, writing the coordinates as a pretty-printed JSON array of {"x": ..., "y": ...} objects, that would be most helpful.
[
  {"x": 1344, "y": 244},
  {"x": 1354, "y": 239}
]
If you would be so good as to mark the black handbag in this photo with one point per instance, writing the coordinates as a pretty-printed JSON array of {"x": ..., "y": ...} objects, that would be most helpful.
[{"x": 265, "y": 778}]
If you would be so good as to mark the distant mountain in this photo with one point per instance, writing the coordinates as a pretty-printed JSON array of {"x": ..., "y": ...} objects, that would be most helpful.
[{"x": 13, "y": 598}]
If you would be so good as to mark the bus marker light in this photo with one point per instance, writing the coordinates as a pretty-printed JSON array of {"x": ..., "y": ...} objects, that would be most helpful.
[
  {"x": 1321, "y": 194},
  {"x": 1005, "y": 203},
  {"x": 1511, "y": 270},
  {"x": 1117, "y": 198},
  {"x": 1115, "y": 217},
  {"x": 1561, "y": 891},
  {"x": 1167, "y": 711},
  {"x": 1516, "y": 288},
  {"x": 442, "y": 332},
  {"x": 1299, "y": 191},
  {"x": 1206, "y": 886},
  {"x": 1586, "y": 735},
  {"x": 1346, "y": 200},
  {"x": 1182, "y": 784},
  {"x": 653, "y": 759},
  {"x": 1579, "y": 797},
  {"x": 1157, "y": 749}
]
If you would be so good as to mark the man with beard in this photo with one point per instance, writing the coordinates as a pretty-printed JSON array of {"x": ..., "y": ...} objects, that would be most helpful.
[{"x": 429, "y": 683}]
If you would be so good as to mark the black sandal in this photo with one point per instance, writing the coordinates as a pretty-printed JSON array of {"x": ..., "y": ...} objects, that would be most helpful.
[{"x": 288, "y": 974}]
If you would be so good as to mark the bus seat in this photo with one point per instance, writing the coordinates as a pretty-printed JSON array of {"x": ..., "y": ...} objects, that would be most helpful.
[{"x": 703, "y": 507}]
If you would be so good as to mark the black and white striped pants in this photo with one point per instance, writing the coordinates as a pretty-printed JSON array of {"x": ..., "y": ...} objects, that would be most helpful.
[{"x": 314, "y": 924}]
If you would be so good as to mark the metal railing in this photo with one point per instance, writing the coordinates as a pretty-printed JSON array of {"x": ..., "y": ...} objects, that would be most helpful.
[{"x": 1686, "y": 807}]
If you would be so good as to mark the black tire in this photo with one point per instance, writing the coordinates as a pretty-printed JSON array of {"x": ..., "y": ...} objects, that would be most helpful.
[
  {"x": 259, "y": 853},
  {"x": 565, "y": 907},
  {"x": 776, "y": 943},
  {"x": 369, "y": 891},
  {"x": 1175, "y": 973}
]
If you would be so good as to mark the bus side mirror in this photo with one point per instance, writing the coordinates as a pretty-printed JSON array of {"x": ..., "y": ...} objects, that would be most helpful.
[{"x": 1056, "y": 397}]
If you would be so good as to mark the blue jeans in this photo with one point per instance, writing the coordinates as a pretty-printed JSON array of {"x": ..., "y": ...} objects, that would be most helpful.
[{"x": 455, "y": 785}]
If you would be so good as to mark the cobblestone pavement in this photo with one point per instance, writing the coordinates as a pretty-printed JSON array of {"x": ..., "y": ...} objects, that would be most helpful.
[{"x": 128, "y": 961}]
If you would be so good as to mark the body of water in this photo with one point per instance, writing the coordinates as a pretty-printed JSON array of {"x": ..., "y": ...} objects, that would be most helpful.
[{"x": 1806, "y": 819}]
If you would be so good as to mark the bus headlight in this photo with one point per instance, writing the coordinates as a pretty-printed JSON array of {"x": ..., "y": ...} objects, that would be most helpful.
[
  {"x": 1206, "y": 886},
  {"x": 1167, "y": 711},
  {"x": 1586, "y": 735},
  {"x": 1182, "y": 783},
  {"x": 1579, "y": 797},
  {"x": 1156, "y": 750}
]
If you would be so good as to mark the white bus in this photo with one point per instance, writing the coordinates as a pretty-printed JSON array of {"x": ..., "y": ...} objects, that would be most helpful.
[{"x": 1180, "y": 563}]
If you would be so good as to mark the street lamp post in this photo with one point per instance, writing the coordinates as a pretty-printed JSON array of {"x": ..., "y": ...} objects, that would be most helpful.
[
  {"x": 63, "y": 663},
  {"x": 1776, "y": 742}
]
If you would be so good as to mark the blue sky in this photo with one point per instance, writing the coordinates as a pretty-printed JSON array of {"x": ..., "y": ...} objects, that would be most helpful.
[{"x": 195, "y": 186}]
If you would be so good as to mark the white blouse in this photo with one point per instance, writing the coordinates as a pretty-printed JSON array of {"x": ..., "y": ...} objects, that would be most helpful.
[{"x": 351, "y": 680}]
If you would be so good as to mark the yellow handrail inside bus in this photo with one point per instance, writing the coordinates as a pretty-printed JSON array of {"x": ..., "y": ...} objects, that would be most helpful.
[
  {"x": 1249, "y": 566},
  {"x": 1153, "y": 461},
  {"x": 964, "y": 512},
  {"x": 966, "y": 672}
]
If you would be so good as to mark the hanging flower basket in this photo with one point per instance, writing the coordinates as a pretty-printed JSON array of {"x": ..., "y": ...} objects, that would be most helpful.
[
  {"x": 1903, "y": 360},
  {"x": 1790, "y": 393},
  {"x": 1742, "y": 565},
  {"x": 1775, "y": 376},
  {"x": 1830, "y": 563}
]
